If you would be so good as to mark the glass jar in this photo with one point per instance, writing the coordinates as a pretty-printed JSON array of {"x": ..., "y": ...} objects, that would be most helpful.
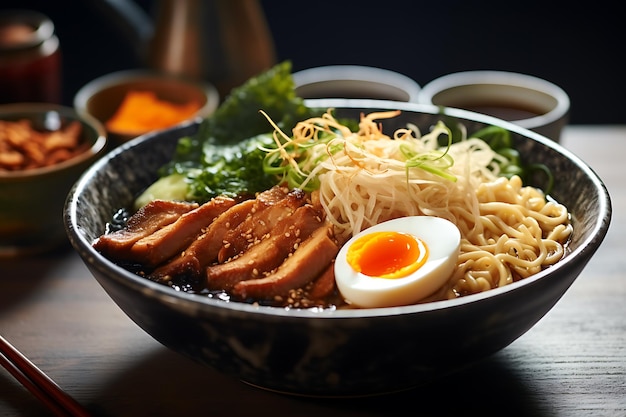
[{"x": 30, "y": 61}]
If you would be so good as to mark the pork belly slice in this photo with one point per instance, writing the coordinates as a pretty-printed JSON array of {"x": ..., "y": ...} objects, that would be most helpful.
[
  {"x": 312, "y": 258},
  {"x": 324, "y": 285},
  {"x": 270, "y": 208},
  {"x": 147, "y": 220},
  {"x": 166, "y": 242},
  {"x": 268, "y": 253},
  {"x": 203, "y": 251}
]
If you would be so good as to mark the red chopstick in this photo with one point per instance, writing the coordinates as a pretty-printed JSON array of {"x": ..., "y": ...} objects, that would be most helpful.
[{"x": 38, "y": 383}]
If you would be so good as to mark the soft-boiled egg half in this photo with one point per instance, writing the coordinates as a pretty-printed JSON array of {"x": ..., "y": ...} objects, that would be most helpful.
[{"x": 397, "y": 262}]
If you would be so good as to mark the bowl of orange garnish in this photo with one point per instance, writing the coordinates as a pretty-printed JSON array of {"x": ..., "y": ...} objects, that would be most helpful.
[{"x": 135, "y": 102}]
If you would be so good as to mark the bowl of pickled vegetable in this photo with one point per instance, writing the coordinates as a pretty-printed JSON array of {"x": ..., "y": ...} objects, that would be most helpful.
[
  {"x": 337, "y": 247},
  {"x": 131, "y": 103}
]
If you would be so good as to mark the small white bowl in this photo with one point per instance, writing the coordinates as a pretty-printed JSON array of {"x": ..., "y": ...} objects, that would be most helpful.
[
  {"x": 530, "y": 102},
  {"x": 355, "y": 81}
]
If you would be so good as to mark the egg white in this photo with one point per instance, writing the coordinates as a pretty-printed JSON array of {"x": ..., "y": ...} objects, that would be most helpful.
[{"x": 443, "y": 240}]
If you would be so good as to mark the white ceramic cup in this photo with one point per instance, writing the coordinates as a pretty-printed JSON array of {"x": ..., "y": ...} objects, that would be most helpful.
[
  {"x": 527, "y": 101},
  {"x": 355, "y": 81}
]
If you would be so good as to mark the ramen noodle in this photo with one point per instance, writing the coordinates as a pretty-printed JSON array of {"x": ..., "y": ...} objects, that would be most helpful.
[{"x": 509, "y": 231}]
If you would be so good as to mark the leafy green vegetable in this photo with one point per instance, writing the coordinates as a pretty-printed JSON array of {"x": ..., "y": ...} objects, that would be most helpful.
[
  {"x": 223, "y": 156},
  {"x": 238, "y": 117},
  {"x": 232, "y": 170},
  {"x": 499, "y": 139}
]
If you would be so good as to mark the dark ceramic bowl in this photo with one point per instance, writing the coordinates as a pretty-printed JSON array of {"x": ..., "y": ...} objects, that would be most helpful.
[
  {"x": 32, "y": 200},
  {"x": 343, "y": 352}
]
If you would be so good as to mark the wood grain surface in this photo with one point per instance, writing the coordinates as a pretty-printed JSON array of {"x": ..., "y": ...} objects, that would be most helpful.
[{"x": 572, "y": 363}]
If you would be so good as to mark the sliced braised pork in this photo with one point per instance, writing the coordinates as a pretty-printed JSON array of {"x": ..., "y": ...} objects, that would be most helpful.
[
  {"x": 277, "y": 246},
  {"x": 203, "y": 251},
  {"x": 269, "y": 252},
  {"x": 147, "y": 220},
  {"x": 249, "y": 217},
  {"x": 324, "y": 285},
  {"x": 310, "y": 260},
  {"x": 170, "y": 240},
  {"x": 270, "y": 208}
]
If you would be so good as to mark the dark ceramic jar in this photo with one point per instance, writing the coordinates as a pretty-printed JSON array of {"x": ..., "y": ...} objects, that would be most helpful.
[{"x": 30, "y": 61}]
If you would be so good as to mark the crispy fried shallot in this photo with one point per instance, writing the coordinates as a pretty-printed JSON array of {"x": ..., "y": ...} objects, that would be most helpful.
[{"x": 23, "y": 147}]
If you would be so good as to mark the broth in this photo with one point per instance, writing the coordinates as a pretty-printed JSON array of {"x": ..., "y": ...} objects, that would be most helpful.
[
  {"x": 502, "y": 110},
  {"x": 505, "y": 112}
]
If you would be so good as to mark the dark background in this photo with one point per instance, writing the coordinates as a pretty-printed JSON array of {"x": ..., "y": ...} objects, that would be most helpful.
[{"x": 580, "y": 48}]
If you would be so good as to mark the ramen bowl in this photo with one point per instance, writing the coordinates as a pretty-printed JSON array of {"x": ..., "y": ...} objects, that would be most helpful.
[
  {"x": 335, "y": 352},
  {"x": 35, "y": 179}
]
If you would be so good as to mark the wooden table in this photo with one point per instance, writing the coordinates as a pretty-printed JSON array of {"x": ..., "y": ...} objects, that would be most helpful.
[{"x": 572, "y": 363}]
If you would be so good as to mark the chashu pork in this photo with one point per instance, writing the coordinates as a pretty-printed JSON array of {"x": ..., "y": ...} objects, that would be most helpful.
[
  {"x": 269, "y": 252},
  {"x": 312, "y": 258},
  {"x": 203, "y": 251},
  {"x": 168, "y": 241},
  {"x": 147, "y": 220},
  {"x": 249, "y": 217}
]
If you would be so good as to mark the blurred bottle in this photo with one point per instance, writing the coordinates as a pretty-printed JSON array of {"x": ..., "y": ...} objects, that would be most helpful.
[
  {"x": 224, "y": 42},
  {"x": 30, "y": 61}
]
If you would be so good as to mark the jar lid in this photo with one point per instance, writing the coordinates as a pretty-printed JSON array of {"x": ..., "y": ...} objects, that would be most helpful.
[{"x": 21, "y": 29}]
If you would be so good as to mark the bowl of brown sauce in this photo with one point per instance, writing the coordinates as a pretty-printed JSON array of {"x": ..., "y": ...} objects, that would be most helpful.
[{"x": 534, "y": 103}]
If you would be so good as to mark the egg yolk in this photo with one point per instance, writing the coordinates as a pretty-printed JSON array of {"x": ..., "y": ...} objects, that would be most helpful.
[{"x": 387, "y": 254}]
